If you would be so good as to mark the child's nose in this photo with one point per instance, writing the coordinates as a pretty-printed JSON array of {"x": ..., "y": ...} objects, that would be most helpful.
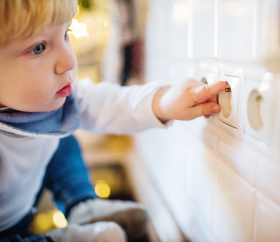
[{"x": 66, "y": 61}]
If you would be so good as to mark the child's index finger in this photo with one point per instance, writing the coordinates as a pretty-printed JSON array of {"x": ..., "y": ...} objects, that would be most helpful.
[{"x": 205, "y": 92}]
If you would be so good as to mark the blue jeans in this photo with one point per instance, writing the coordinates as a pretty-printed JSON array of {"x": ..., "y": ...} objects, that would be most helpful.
[{"x": 67, "y": 178}]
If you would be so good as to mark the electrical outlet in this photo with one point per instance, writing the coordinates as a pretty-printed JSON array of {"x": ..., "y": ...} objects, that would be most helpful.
[
  {"x": 228, "y": 100},
  {"x": 259, "y": 109}
]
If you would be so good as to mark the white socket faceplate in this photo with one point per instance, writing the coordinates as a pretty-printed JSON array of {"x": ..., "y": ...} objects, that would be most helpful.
[
  {"x": 229, "y": 102},
  {"x": 259, "y": 109}
]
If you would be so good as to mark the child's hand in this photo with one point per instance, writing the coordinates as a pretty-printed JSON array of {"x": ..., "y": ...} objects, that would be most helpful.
[{"x": 187, "y": 100}]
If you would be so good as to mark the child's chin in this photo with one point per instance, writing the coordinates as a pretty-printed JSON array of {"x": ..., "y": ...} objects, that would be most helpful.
[
  {"x": 42, "y": 108},
  {"x": 54, "y": 106}
]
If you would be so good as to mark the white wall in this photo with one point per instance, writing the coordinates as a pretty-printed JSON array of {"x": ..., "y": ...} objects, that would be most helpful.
[{"x": 219, "y": 177}]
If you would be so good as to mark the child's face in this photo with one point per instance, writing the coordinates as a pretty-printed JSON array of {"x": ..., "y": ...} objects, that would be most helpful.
[{"x": 36, "y": 72}]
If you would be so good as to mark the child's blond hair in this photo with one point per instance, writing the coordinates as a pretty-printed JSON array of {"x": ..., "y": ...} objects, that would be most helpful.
[{"x": 22, "y": 18}]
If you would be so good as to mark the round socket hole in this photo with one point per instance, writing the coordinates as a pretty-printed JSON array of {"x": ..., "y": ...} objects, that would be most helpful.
[
  {"x": 255, "y": 110},
  {"x": 204, "y": 80},
  {"x": 225, "y": 102}
]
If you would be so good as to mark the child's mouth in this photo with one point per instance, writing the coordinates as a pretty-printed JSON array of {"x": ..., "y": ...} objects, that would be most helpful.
[{"x": 65, "y": 91}]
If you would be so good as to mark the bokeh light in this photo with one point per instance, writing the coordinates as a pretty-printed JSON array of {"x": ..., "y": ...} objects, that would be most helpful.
[{"x": 102, "y": 189}]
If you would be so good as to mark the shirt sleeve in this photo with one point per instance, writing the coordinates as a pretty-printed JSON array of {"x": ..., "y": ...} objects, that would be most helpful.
[{"x": 109, "y": 108}]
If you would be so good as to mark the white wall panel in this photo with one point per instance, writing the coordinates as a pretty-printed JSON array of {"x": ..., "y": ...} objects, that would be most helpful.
[
  {"x": 179, "y": 174},
  {"x": 209, "y": 170},
  {"x": 204, "y": 28},
  {"x": 199, "y": 232},
  {"x": 268, "y": 179},
  {"x": 268, "y": 20},
  {"x": 243, "y": 163},
  {"x": 263, "y": 24},
  {"x": 157, "y": 69},
  {"x": 157, "y": 32},
  {"x": 178, "y": 71},
  {"x": 179, "y": 19},
  {"x": 267, "y": 221},
  {"x": 236, "y": 36},
  {"x": 234, "y": 208},
  {"x": 204, "y": 178}
]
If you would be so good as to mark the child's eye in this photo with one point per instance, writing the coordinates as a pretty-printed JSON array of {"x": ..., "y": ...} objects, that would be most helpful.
[
  {"x": 38, "y": 49},
  {"x": 66, "y": 35}
]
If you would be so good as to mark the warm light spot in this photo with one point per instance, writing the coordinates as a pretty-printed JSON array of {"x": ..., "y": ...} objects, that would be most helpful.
[
  {"x": 105, "y": 23},
  {"x": 102, "y": 189},
  {"x": 79, "y": 30},
  {"x": 74, "y": 23},
  {"x": 180, "y": 13},
  {"x": 59, "y": 219}
]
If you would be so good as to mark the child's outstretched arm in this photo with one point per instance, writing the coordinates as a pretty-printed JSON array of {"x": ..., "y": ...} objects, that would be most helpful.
[{"x": 187, "y": 100}]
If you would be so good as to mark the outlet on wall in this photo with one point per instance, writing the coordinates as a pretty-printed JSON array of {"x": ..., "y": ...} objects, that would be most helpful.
[
  {"x": 228, "y": 100},
  {"x": 259, "y": 109},
  {"x": 206, "y": 77}
]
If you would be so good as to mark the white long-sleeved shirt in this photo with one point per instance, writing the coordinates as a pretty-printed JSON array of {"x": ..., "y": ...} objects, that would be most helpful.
[{"x": 104, "y": 108}]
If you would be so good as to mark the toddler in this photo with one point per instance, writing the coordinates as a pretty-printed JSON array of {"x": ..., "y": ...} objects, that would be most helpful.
[{"x": 42, "y": 103}]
